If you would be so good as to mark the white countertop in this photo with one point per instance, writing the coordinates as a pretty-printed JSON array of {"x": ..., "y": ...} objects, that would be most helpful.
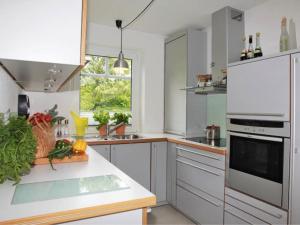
[{"x": 96, "y": 166}]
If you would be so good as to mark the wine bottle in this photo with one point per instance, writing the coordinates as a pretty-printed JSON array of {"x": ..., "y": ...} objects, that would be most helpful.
[
  {"x": 284, "y": 36},
  {"x": 250, "y": 53},
  {"x": 244, "y": 52},
  {"x": 258, "y": 50}
]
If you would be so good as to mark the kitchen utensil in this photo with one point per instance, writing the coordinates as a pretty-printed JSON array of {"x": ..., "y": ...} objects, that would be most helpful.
[{"x": 212, "y": 132}]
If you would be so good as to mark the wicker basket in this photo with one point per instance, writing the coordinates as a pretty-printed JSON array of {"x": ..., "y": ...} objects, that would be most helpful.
[{"x": 45, "y": 136}]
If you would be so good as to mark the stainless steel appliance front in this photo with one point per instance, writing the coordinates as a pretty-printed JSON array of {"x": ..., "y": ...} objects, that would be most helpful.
[{"x": 257, "y": 163}]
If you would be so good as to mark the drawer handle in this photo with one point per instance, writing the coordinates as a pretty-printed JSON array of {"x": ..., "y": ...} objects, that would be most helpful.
[
  {"x": 233, "y": 214},
  {"x": 206, "y": 199},
  {"x": 198, "y": 167},
  {"x": 198, "y": 153},
  {"x": 277, "y": 215}
]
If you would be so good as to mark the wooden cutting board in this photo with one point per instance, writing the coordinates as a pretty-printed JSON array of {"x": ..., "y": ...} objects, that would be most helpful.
[{"x": 75, "y": 158}]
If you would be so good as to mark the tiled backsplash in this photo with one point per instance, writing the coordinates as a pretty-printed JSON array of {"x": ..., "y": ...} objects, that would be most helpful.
[{"x": 216, "y": 111}]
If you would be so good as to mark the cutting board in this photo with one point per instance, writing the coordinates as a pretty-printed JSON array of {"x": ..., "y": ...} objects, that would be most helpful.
[{"x": 75, "y": 158}]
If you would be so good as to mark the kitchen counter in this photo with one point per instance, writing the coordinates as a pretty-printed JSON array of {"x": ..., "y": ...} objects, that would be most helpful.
[
  {"x": 135, "y": 197},
  {"x": 157, "y": 137}
]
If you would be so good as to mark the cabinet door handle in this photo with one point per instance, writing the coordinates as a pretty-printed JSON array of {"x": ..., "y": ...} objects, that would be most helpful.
[
  {"x": 277, "y": 215},
  {"x": 198, "y": 167},
  {"x": 204, "y": 198},
  {"x": 198, "y": 153},
  {"x": 233, "y": 214}
]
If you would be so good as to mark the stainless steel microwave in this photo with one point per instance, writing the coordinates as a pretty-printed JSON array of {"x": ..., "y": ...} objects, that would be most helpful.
[{"x": 257, "y": 162}]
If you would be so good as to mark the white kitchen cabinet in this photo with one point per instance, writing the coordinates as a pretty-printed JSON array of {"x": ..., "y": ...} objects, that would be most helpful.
[
  {"x": 185, "y": 57},
  {"x": 159, "y": 171},
  {"x": 134, "y": 160},
  {"x": 171, "y": 174},
  {"x": 260, "y": 89},
  {"x": 103, "y": 150},
  {"x": 42, "y": 40},
  {"x": 295, "y": 154},
  {"x": 41, "y": 31}
]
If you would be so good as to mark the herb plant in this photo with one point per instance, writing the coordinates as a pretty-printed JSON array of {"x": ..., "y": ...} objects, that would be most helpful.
[
  {"x": 121, "y": 118},
  {"x": 102, "y": 117},
  {"x": 17, "y": 148}
]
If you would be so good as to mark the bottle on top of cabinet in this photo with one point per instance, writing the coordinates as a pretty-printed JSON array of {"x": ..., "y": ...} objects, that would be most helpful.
[
  {"x": 250, "y": 53},
  {"x": 258, "y": 50},
  {"x": 244, "y": 52},
  {"x": 284, "y": 36}
]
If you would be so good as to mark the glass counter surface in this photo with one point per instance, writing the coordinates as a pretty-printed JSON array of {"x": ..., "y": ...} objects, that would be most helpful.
[{"x": 56, "y": 189}]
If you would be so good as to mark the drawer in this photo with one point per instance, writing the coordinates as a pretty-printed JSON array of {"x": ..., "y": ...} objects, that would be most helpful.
[
  {"x": 233, "y": 216},
  {"x": 204, "y": 157},
  {"x": 203, "y": 177},
  {"x": 204, "y": 209},
  {"x": 261, "y": 210}
]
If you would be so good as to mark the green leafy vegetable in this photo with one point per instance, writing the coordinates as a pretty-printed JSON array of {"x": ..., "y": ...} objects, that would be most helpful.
[
  {"x": 63, "y": 148},
  {"x": 17, "y": 148}
]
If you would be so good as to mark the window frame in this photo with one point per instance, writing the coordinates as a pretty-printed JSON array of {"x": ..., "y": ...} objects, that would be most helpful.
[{"x": 94, "y": 50}]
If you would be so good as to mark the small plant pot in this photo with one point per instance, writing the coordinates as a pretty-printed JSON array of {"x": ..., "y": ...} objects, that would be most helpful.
[
  {"x": 121, "y": 130},
  {"x": 103, "y": 130}
]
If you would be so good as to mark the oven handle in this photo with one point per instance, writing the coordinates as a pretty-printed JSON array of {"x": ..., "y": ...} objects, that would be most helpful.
[{"x": 275, "y": 139}]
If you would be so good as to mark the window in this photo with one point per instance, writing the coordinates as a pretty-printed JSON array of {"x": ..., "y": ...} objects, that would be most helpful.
[{"x": 101, "y": 88}]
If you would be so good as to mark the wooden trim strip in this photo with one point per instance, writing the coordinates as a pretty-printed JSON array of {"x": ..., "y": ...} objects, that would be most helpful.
[
  {"x": 83, "y": 32},
  {"x": 145, "y": 216},
  {"x": 11, "y": 75},
  {"x": 220, "y": 151},
  {"x": 134, "y": 141},
  {"x": 76, "y": 71},
  {"x": 84, "y": 213}
]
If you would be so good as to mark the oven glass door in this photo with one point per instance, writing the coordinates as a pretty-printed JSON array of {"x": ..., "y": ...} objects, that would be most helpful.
[{"x": 257, "y": 155}]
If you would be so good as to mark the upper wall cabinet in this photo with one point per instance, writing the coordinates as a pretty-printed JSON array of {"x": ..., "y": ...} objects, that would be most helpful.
[
  {"x": 259, "y": 89},
  {"x": 185, "y": 57},
  {"x": 40, "y": 38}
]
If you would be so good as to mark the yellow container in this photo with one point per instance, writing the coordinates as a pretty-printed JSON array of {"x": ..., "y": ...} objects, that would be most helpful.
[{"x": 81, "y": 123}]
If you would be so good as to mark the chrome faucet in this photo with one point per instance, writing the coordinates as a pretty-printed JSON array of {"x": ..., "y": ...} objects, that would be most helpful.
[{"x": 109, "y": 131}]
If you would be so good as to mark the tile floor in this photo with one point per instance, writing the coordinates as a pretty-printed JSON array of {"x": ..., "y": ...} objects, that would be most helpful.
[{"x": 167, "y": 215}]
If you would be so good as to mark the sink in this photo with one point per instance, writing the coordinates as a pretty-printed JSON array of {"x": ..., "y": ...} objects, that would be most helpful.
[{"x": 126, "y": 137}]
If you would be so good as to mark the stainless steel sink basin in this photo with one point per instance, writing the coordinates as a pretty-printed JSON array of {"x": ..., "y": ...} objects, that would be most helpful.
[{"x": 126, "y": 137}]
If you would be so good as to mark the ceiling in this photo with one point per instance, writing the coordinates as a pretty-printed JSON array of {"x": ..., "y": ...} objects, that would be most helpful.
[{"x": 164, "y": 16}]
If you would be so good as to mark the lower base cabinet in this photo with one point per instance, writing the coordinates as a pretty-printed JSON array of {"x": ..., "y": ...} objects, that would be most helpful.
[
  {"x": 159, "y": 171},
  {"x": 134, "y": 160},
  {"x": 199, "y": 208},
  {"x": 103, "y": 150},
  {"x": 233, "y": 216},
  {"x": 244, "y": 208}
]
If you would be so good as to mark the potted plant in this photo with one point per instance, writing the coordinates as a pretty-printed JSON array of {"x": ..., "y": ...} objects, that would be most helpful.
[
  {"x": 102, "y": 117},
  {"x": 121, "y": 118}
]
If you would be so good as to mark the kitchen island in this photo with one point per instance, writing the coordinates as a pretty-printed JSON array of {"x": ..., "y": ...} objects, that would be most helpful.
[{"x": 127, "y": 205}]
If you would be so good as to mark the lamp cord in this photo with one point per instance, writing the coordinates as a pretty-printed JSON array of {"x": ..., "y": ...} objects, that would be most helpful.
[{"x": 149, "y": 4}]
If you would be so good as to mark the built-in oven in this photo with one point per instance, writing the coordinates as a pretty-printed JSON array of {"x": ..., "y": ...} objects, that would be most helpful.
[{"x": 257, "y": 162}]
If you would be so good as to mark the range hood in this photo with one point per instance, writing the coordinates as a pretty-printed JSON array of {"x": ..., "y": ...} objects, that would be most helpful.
[{"x": 38, "y": 76}]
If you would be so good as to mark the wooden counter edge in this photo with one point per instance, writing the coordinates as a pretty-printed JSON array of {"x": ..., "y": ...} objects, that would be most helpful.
[
  {"x": 173, "y": 140},
  {"x": 85, "y": 213}
]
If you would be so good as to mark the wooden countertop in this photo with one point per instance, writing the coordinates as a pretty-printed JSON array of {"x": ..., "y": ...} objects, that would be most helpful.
[
  {"x": 78, "y": 207},
  {"x": 157, "y": 138}
]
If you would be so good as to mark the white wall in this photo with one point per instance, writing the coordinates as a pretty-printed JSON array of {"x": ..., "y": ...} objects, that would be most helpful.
[
  {"x": 66, "y": 102},
  {"x": 9, "y": 91},
  {"x": 150, "y": 48},
  {"x": 266, "y": 18}
]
